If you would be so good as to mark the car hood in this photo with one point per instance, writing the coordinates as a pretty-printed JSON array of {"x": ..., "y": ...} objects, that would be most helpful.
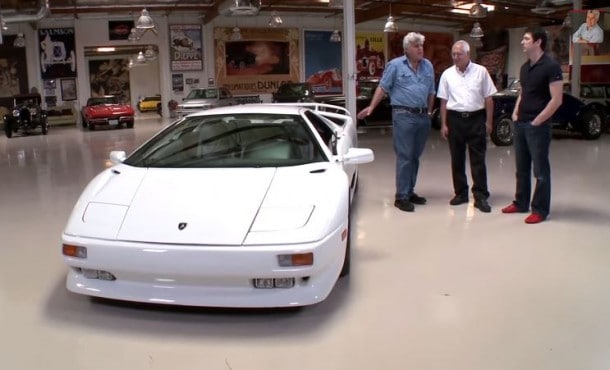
[
  {"x": 108, "y": 110},
  {"x": 198, "y": 102},
  {"x": 207, "y": 206}
]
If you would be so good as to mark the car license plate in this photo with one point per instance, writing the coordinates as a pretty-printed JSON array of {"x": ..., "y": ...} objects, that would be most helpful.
[{"x": 113, "y": 122}]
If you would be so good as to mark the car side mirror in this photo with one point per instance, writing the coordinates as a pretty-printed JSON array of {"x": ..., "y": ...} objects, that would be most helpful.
[
  {"x": 117, "y": 156},
  {"x": 358, "y": 156}
]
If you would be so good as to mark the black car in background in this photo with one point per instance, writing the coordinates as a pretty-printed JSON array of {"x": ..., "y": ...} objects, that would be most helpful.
[
  {"x": 26, "y": 116},
  {"x": 573, "y": 115},
  {"x": 365, "y": 90},
  {"x": 294, "y": 92}
]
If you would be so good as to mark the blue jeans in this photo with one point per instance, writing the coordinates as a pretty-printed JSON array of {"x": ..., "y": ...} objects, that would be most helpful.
[
  {"x": 532, "y": 144},
  {"x": 410, "y": 136}
]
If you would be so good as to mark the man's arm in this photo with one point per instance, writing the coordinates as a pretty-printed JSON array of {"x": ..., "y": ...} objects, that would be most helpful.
[
  {"x": 377, "y": 96},
  {"x": 489, "y": 113},
  {"x": 556, "y": 89},
  {"x": 444, "y": 126},
  {"x": 515, "y": 115}
]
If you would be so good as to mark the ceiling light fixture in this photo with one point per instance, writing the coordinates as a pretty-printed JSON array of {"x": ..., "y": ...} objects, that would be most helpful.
[
  {"x": 275, "y": 20},
  {"x": 236, "y": 34},
  {"x": 335, "y": 36},
  {"x": 390, "y": 26},
  {"x": 544, "y": 8},
  {"x": 477, "y": 31},
  {"x": 465, "y": 8},
  {"x": 19, "y": 40},
  {"x": 150, "y": 53},
  {"x": 140, "y": 58},
  {"x": 145, "y": 22},
  {"x": 134, "y": 35},
  {"x": 477, "y": 10}
]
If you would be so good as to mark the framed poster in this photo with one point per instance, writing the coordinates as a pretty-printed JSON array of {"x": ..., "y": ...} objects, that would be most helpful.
[
  {"x": 258, "y": 63},
  {"x": 13, "y": 69},
  {"x": 186, "y": 53},
  {"x": 57, "y": 58},
  {"x": 178, "y": 82},
  {"x": 68, "y": 89},
  {"x": 323, "y": 70},
  {"x": 110, "y": 77}
]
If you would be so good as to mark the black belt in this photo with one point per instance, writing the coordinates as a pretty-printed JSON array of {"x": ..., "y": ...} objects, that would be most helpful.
[
  {"x": 466, "y": 114},
  {"x": 411, "y": 110}
]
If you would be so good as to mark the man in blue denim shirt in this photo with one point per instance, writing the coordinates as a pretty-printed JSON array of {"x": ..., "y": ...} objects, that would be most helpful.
[{"x": 409, "y": 81}]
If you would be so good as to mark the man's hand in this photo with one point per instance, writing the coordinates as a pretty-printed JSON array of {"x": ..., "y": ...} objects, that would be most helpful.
[
  {"x": 488, "y": 127},
  {"x": 444, "y": 131},
  {"x": 364, "y": 113}
]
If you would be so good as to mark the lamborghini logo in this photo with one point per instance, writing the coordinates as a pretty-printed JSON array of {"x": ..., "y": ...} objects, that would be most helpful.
[{"x": 182, "y": 226}]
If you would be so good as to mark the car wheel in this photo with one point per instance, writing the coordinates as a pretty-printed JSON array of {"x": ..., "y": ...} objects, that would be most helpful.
[
  {"x": 591, "y": 124},
  {"x": 83, "y": 121},
  {"x": 502, "y": 131},
  {"x": 8, "y": 130},
  {"x": 45, "y": 127},
  {"x": 130, "y": 124},
  {"x": 91, "y": 127}
]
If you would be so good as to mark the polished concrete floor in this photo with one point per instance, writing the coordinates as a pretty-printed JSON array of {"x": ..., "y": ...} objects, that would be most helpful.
[{"x": 443, "y": 288}]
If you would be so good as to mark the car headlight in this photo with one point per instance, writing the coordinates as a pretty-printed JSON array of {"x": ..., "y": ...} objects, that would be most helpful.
[
  {"x": 15, "y": 112},
  {"x": 282, "y": 218}
]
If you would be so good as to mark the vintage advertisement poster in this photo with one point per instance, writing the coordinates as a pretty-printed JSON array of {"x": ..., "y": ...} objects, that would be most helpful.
[
  {"x": 13, "y": 73},
  {"x": 119, "y": 30},
  {"x": 186, "y": 50},
  {"x": 323, "y": 70},
  {"x": 259, "y": 62},
  {"x": 370, "y": 59},
  {"x": 110, "y": 77},
  {"x": 57, "y": 58}
]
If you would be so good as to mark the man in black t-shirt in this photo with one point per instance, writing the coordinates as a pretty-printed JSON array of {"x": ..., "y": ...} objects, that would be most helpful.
[{"x": 540, "y": 96}]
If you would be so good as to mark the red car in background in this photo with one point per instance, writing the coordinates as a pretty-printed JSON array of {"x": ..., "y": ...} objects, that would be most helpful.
[
  {"x": 107, "y": 111},
  {"x": 325, "y": 81}
]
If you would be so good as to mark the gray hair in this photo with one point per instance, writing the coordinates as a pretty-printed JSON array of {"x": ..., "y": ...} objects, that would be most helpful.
[
  {"x": 595, "y": 12},
  {"x": 464, "y": 45},
  {"x": 413, "y": 38}
]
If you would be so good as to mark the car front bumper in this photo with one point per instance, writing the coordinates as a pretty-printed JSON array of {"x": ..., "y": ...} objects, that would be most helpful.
[{"x": 211, "y": 276}]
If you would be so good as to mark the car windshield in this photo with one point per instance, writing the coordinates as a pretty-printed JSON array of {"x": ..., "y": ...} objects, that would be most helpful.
[
  {"x": 103, "y": 100},
  {"x": 203, "y": 94},
  {"x": 292, "y": 89},
  {"x": 152, "y": 98},
  {"x": 232, "y": 140},
  {"x": 367, "y": 88}
]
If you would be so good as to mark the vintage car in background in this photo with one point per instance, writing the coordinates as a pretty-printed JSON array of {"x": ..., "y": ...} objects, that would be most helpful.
[
  {"x": 589, "y": 119},
  {"x": 325, "y": 81},
  {"x": 150, "y": 103},
  {"x": 294, "y": 92},
  {"x": 26, "y": 116},
  {"x": 106, "y": 111},
  {"x": 365, "y": 90},
  {"x": 242, "y": 206},
  {"x": 205, "y": 98},
  {"x": 598, "y": 93}
]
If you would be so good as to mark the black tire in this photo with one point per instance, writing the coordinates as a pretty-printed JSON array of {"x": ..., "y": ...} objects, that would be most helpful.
[
  {"x": 130, "y": 124},
  {"x": 502, "y": 131},
  {"x": 83, "y": 121},
  {"x": 160, "y": 109},
  {"x": 347, "y": 259},
  {"x": 8, "y": 129},
  {"x": 44, "y": 126},
  {"x": 592, "y": 123},
  {"x": 91, "y": 127}
]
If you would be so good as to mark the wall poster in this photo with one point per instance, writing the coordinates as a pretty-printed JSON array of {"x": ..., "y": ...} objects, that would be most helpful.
[
  {"x": 186, "y": 53},
  {"x": 258, "y": 63},
  {"x": 13, "y": 73},
  {"x": 437, "y": 48},
  {"x": 370, "y": 58},
  {"x": 57, "y": 58},
  {"x": 119, "y": 30},
  {"x": 110, "y": 77},
  {"x": 323, "y": 70}
]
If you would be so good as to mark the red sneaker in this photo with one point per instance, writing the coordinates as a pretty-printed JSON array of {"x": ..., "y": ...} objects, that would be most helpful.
[
  {"x": 512, "y": 208},
  {"x": 534, "y": 218}
]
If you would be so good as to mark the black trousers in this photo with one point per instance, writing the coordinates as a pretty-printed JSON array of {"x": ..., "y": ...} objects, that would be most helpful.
[{"x": 467, "y": 131}]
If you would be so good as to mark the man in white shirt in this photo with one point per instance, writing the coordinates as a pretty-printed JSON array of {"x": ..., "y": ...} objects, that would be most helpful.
[
  {"x": 590, "y": 31},
  {"x": 465, "y": 91}
]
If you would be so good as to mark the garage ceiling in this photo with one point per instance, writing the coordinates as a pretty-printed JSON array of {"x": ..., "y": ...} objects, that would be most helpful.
[{"x": 507, "y": 14}]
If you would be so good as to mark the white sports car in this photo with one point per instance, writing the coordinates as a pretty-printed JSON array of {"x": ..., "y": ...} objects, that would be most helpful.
[{"x": 241, "y": 206}]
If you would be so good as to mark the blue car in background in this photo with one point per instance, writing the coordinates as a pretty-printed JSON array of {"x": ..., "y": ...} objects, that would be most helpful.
[{"x": 573, "y": 115}]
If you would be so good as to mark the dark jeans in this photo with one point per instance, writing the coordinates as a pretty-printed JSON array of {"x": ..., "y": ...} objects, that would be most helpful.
[
  {"x": 468, "y": 133},
  {"x": 532, "y": 144},
  {"x": 410, "y": 133}
]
